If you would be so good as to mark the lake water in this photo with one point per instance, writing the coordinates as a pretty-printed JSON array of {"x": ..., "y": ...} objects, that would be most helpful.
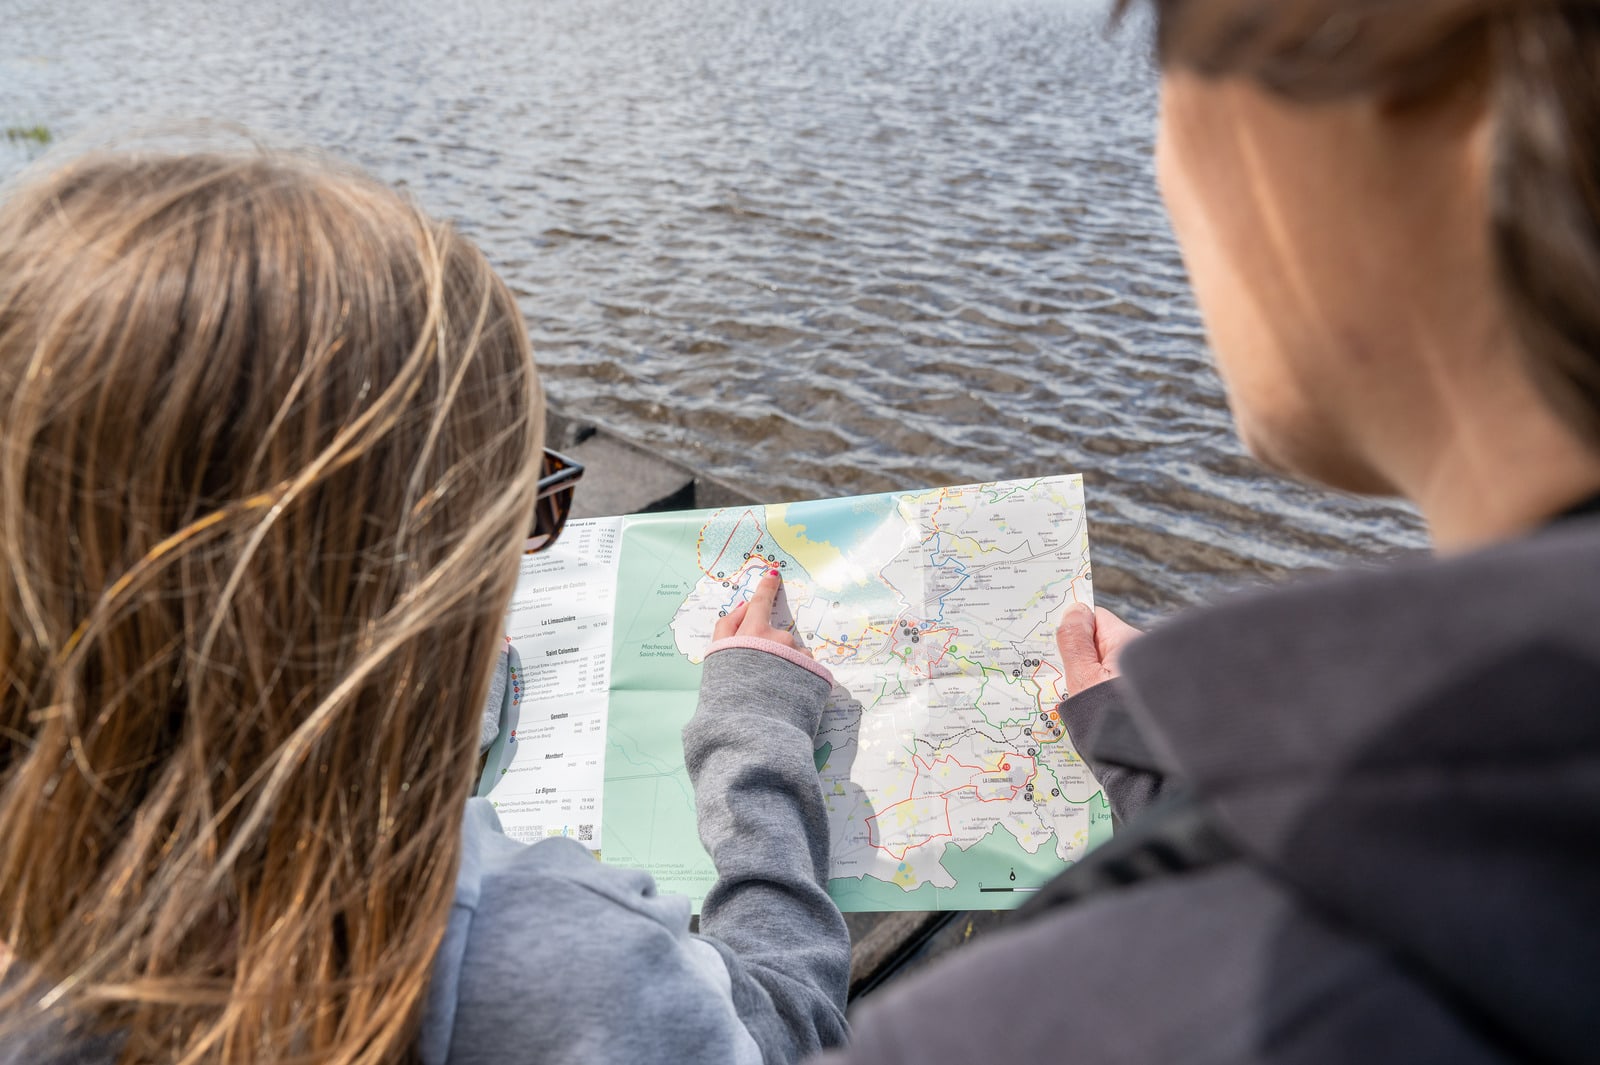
[{"x": 813, "y": 247}]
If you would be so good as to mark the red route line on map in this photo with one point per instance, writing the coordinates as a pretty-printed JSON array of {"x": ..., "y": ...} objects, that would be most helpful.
[
  {"x": 945, "y": 795},
  {"x": 945, "y": 631},
  {"x": 933, "y": 519},
  {"x": 895, "y": 642},
  {"x": 701, "y": 539}
]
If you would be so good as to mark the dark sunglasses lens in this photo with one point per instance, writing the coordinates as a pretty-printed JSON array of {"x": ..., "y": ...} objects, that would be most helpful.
[{"x": 550, "y": 512}]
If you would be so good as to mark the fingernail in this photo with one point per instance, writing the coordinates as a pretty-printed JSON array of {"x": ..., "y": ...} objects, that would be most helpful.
[
  {"x": 1080, "y": 608},
  {"x": 772, "y": 573}
]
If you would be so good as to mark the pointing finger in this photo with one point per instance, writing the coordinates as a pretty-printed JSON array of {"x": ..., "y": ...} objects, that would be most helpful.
[{"x": 763, "y": 601}]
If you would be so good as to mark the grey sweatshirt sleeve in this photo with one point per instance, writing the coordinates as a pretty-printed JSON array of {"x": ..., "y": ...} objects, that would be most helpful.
[
  {"x": 501, "y": 714},
  {"x": 749, "y": 754}
]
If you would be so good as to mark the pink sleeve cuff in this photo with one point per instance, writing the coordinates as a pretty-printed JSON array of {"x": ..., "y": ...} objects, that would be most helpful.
[{"x": 772, "y": 647}]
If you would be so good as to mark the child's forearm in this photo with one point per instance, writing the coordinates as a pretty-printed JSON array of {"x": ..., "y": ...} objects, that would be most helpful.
[{"x": 749, "y": 754}]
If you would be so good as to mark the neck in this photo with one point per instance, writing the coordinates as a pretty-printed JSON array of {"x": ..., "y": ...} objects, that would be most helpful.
[
  {"x": 1461, "y": 430},
  {"x": 1500, "y": 472}
]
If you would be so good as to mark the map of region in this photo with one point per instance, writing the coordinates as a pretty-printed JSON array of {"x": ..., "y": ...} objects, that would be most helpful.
[{"x": 947, "y": 774}]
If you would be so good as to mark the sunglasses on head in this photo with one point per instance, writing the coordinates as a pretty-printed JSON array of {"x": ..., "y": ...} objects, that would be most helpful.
[{"x": 557, "y": 479}]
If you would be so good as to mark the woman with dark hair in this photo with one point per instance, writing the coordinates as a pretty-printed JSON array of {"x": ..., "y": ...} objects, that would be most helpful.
[{"x": 1360, "y": 815}]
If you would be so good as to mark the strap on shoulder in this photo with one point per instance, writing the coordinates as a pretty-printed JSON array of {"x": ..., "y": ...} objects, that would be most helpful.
[{"x": 1172, "y": 838}]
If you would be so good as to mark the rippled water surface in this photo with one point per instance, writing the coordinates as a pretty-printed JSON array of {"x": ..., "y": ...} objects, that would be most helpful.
[{"x": 814, "y": 247}]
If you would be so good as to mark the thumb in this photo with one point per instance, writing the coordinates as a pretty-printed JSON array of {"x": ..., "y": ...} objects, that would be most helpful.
[{"x": 1080, "y": 657}]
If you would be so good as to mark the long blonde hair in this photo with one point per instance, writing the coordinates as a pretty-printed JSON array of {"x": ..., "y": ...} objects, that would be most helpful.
[{"x": 268, "y": 444}]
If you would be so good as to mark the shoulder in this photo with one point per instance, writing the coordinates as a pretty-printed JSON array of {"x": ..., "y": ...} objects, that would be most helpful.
[
  {"x": 1316, "y": 674},
  {"x": 1216, "y": 966},
  {"x": 553, "y": 901},
  {"x": 1370, "y": 737},
  {"x": 569, "y": 959},
  {"x": 555, "y": 894}
]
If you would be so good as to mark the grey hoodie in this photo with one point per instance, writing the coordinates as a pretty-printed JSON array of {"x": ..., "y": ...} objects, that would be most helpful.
[{"x": 553, "y": 957}]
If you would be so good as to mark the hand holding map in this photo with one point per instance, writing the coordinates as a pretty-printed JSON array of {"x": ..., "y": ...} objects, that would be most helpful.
[{"x": 1090, "y": 642}]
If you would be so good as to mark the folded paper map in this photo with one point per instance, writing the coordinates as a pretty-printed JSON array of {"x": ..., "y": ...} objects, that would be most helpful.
[{"x": 948, "y": 777}]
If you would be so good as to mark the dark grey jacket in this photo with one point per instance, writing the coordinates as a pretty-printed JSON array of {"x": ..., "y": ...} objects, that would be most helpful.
[{"x": 1376, "y": 839}]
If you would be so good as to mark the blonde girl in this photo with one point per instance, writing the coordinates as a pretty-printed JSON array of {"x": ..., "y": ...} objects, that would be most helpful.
[{"x": 269, "y": 448}]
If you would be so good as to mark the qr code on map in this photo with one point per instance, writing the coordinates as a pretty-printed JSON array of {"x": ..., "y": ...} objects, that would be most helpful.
[{"x": 585, "y": 833}]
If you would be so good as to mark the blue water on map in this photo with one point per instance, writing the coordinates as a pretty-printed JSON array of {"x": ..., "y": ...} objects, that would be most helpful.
[{"x": 841, "y": 522}]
